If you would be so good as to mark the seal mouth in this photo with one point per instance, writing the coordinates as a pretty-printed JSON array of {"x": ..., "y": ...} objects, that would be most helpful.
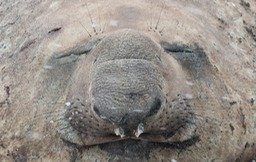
[
  {"x": 158, "y": 140},
  {"x": 175, "y": 124},
  {"x": 145, "y": 137}
]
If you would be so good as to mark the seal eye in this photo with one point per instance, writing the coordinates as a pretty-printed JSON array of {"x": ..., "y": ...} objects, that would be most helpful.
[{"x": 155, "y": 107}]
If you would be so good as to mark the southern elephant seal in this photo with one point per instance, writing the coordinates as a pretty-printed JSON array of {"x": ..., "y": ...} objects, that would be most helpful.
[
  {"x": 129, "y": 87},
  {"x": 193, "y": 64}
]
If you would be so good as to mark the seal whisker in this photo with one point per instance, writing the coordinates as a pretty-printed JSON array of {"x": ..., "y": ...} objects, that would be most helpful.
[
  {"x": 82, "y": 26},
  {"x": 209, "y": 119},
  {"x": 89, "y": 14},
  {"x": 85, "y": 29},
  {"x": 151, "y": 15},
  {"x": 158, "y": 20},
  {"x": 196, "y": 113},
  {"x": 99, "y": 14},
  {"x": 44, "y": 114},
  {"x": 161, "y": 31},
  {"x": 63, "y": 128},
  {"x": 50, "y": 118},
  {"x": 59, "y": 119},
  {"x": 50, "y": 115},
  {"x": 203, "y": 109},
  {"x": 100, "y": 30}
]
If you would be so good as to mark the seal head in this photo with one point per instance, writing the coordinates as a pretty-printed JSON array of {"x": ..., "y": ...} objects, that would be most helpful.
[{"x": 129, "y": 87}]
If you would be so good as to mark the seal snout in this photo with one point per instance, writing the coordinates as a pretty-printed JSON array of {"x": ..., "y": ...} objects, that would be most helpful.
[{"x": 127, "y": 81}]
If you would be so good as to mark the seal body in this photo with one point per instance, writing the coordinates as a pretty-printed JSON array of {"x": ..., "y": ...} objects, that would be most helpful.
[
  {"x": 211, "y": 44},
  {"x": 129, "y": 87}
]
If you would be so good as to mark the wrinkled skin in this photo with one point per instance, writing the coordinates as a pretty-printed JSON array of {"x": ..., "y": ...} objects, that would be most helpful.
[{"x": 58, "y": 68}]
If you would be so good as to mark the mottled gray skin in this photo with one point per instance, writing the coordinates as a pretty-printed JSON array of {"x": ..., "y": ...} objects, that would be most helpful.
[{"x": 127, "y": 87}]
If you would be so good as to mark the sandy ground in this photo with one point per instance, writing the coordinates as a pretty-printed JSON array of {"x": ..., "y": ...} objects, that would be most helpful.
[{"x": 31, "y": 96}]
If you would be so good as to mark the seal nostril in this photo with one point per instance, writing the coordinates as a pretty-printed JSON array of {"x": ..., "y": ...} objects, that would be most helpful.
[
  {"x": 96, "y": 110},
  {"x": 170, "y": 134},
  {"x": 155, "y": 107}
]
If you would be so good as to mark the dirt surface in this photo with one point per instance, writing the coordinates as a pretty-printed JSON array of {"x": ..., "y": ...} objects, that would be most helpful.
[{"x": 32, "y": 96}]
